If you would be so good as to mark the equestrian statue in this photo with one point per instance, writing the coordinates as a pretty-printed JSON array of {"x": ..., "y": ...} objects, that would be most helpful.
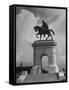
[{"x": 44, "y": 30}]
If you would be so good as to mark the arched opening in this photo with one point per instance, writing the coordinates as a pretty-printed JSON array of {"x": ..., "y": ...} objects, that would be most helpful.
[{"x": 44, "y": 63}]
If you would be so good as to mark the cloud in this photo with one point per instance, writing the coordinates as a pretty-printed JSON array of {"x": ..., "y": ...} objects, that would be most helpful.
[
  {"x": 48, "y": 14},
  {"x": 25, "y": 21}
]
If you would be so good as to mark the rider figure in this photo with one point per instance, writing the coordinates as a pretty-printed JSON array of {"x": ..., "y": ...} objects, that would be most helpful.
[{"x": 44, "y": 25}]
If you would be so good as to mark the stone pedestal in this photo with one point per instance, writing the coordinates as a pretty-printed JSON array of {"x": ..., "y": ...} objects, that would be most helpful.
[
  {"x": 36, "y": 70},
  {"x": 41, "y": 48}
]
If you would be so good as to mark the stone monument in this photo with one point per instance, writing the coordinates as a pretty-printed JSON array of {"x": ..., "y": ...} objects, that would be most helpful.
[{"x": 44, "y": 48}]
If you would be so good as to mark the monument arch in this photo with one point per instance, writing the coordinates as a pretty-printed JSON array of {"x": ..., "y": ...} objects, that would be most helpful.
[
  {"x": 41, "y": 48},
  {"x": 44, "y": 62}
]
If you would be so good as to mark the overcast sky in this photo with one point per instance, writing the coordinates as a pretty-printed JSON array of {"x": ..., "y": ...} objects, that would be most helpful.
[{"x": 26, "y": 19}]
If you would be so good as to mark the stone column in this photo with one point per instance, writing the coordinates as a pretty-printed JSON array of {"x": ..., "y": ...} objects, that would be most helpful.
[
  {"x": 36, "y": 60},
  {"x": 53, "y": 68}
]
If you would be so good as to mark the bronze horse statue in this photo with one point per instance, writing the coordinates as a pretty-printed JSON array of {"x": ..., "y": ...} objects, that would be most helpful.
[{"x": 43, "y": 31}]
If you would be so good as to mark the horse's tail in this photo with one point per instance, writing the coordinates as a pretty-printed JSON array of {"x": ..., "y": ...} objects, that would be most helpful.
[{"x": 52, "y": 31}]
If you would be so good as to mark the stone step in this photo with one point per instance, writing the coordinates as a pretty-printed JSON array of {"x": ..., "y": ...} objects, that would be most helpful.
[{"x": 41, "y": 78}]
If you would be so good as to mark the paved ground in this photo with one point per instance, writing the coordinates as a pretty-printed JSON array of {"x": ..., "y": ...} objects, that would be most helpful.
[{"x": 40, "y": 78}]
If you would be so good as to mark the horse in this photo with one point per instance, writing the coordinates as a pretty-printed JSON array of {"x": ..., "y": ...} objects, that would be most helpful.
[{"x": 42, "y": 31}]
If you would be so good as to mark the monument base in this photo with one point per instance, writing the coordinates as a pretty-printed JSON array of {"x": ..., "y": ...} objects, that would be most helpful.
[
  {"x": 36, "y": 70},
  {"x": 53, "y": 69},
  {"x": 44, "y": 48}
]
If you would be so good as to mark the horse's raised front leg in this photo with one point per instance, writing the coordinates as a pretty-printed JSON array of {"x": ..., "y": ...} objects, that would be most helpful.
[{"x": 37, "y": 34}]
